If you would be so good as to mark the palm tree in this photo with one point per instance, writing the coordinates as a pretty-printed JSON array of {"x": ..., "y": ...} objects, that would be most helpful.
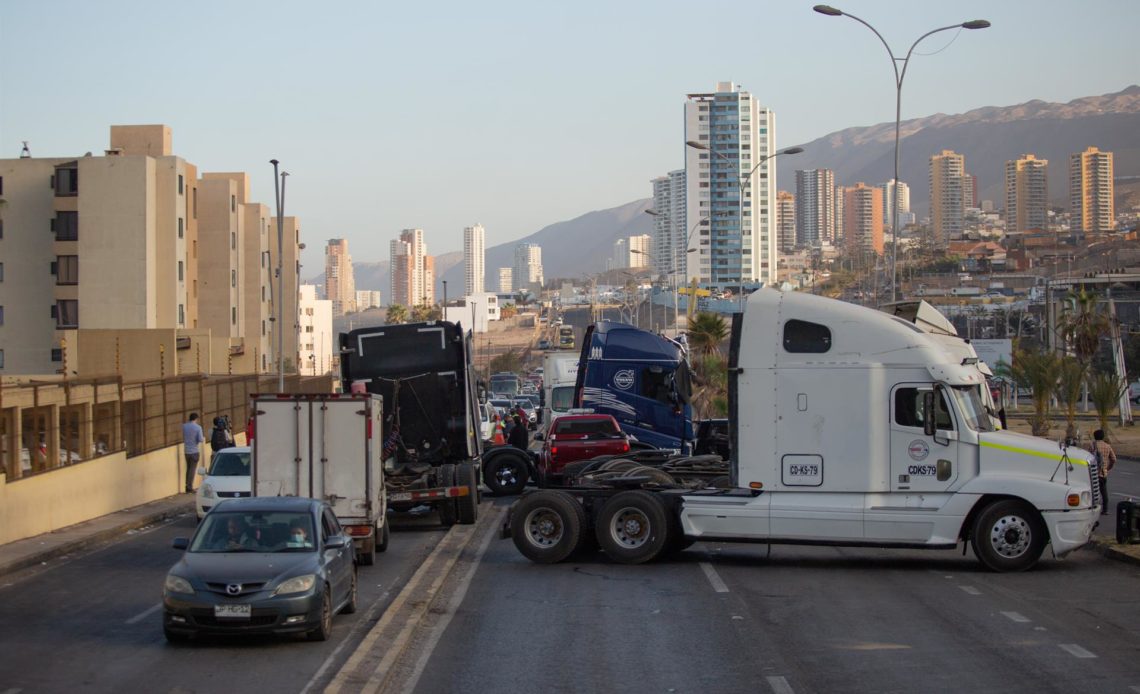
[
  {"x": 425, "y": 312},
  {"x": 706, "y": 332},
  {"x": 710, "y": 396},
  {"x": 1037, "y": 370},
  {"x": 1082, "y": 325},
  {"x": 1070, "y": 382},
  {"x": 397, "y": 313},
  {"x": 1105, "y": 390}
]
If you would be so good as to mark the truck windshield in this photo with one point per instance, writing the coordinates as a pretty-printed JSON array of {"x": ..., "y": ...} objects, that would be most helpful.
[
  {"x": 561, "y": 398},
  {"x": 969, "y": 399}
]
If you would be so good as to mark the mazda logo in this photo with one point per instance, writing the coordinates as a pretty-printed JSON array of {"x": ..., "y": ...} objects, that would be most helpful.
[{"x": 233, "y": 588}]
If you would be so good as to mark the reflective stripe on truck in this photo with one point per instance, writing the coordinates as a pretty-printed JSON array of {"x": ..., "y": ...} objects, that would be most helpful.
[{"x": 427, "y": 494}]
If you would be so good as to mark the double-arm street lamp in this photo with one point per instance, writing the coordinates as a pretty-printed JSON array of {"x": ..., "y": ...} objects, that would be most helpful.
[
  {"x": 742, "y": 182},
  {"x": 899, "y": 76},
  {"x": 677, "y": 260}
]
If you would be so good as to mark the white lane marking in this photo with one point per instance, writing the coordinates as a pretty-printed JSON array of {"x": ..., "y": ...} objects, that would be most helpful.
[
  {"x": 428, "y": 647},
  {"x": 714, "y": 578},
  {"x": 780, "y": 685},
  {"x": 362, "y": 625},
  {"x": 1016, "y": 617},
  {"x": 1076, "y": 651},
  {"x": 971, "y": 590},
  {"x": 144, "y": 614}
]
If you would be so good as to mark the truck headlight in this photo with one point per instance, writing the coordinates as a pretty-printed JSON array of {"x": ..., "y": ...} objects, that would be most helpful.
[
  {"x": 1086, "y": 498},
  {"x": 177, "y": 584},
  {"x": 297, "y": 584}
]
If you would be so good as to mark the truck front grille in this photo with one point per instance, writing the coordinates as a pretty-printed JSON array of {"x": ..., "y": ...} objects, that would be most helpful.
[{"x": 1094, "y": 483}]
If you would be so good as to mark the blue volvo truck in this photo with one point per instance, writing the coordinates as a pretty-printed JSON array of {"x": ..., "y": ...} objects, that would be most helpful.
[{"x": 640, "y": 378}]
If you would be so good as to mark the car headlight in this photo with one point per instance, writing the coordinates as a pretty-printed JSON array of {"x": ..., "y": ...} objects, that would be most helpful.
[
  {"x": 208, "y": 490},
  {"x": 177, "y": 584},
  {"x": 297, "y": 584}
]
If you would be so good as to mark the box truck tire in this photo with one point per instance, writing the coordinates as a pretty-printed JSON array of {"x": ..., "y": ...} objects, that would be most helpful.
[
  {"x": 382, "y": 533},
  {"x": 367, "y": 554},
  {"x": 1008, "y": 535},
  {"x": 447, "y": 510},
  {"x": 633, "y": 527},
  {"x": 467, "y": 506},
  {"x": 546, "y": 526}
]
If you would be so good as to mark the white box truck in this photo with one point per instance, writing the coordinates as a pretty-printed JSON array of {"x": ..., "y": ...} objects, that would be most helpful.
[
  {"x": 325, "y": 446},
  {"x": 559, "y": 373},
  {"x": 849, "y": 426}
]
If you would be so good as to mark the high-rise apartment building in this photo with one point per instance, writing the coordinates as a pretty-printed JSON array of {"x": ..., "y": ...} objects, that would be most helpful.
[
  {"x": 640, "y": 251},
  {"x": 368, "y": 298},
  {"x": 840, "y": 217},
  {"x": 969, "y": 191},
  {"x": 1026, "y": 194},
  {"x": 412, "y": 280},
  {"x": 785, "y": 221},
  {"x": 738, "y": 244},
  {"x": 528, "y": 268},
  {"x": 815, "y": 207},
  {"x": 1091, "y": 191},
  {"x": 340, "y": 281},
  {"x": 863, "y": 219},
  {"x": 315, "y": 347},
  {"x": 888, "y": 191},
  {"x": 473, "y": 258},
  {"x": 947, "y": 206},
  {"x": 670, "y": 226},
  {"x": 506, "y": 280}
]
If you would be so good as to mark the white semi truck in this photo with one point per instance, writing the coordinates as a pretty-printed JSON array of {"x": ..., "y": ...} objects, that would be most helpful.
[
  {"x": 850, "y": 427},
  {"x": 325, "y": 446}
]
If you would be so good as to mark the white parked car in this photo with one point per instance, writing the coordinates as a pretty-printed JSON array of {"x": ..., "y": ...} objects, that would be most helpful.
[{"x": 226, "y": 478}]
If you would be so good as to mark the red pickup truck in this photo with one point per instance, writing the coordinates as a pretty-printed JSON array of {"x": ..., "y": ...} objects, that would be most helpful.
[{"x": 574, "y": 437}]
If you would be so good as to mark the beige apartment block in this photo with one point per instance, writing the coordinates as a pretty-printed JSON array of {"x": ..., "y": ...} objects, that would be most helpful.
[
  {"x": 948, "y": 196},
  {"x": 219, "y": 229},
  {"x": 1091, "y": 191},
  {"x": 340, "y": 282},
  {"x": 256, "y": 301},
  {"x": 291, "y": 287},
  {"x": 1026, "y": 194},
  {"x": 863, "y": 219}
]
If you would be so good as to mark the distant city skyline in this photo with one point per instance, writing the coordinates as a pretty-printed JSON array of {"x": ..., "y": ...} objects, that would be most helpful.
[{"x": 329, "y": 94}]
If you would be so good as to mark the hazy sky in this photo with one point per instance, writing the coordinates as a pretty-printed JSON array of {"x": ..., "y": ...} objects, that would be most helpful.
[{"x": 512, "y": 114}]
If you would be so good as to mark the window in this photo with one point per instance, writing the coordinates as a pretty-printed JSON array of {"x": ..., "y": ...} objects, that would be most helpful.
[
  {"x": 908, "y": 409},
  {"x": 181, "y": 314},
  {"x": 67, "y": 180},
  {"x": 66, "y": 225},
  {"x": 233, "y": 315},
  {"x": 57, "y": 354},
  {"x": 67, "y": 313},
  {"x": 233, "y": 239},
  {"x": 233, "y": 278},
  {"x": 1, "y": 272},
  {"x": 180, "y": 185},
  {"x": 1, "y": 315},
  {"x": 181, "y": 226},
  {"x": 180, "y": 276},
  {"x": 1, "y": 185},
  {"x": 1, "y": 359},
  {"x": 233, "y": 203},
  {"x": 806, "y": 338},
  {"x": 67, "y": 269}
]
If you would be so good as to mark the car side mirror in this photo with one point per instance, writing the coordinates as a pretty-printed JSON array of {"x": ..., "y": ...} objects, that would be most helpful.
[
  {"x": 928, "y": 424},
  {"x": 181, "y": 543},
  {"x": 337, "y": 542},
  {"x": 538, "y": 436}
]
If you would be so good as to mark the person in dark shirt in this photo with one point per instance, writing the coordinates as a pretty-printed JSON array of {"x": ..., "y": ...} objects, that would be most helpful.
[{"x": 518, "y": 436}]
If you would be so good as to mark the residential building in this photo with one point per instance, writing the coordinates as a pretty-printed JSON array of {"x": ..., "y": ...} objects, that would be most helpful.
[
  {"x": 474, "y": 254},
  {"x": 863, "y": 219},
  {"x": 969, "y": 191},
  {"x": 620, "y": 257},
  {"x": 474, "y": 310},
  {"x": 219, "y": 226},
  {"x": 366, "y": 299},
  {"x": 640, "y": 250},
  {"x": 340, "y": 281},
  {"x": 888, "y": 190},
  {"x": 506, "y": 280},
  {"x": 290, "y": 287},
  {"x": 528, "y": 268},
  {"x": 1091, "y": 191},
  {"x": 947, "y": 205},
  {"x": 840, "y": 217},
  {"x": 785, "y": 221},
  {"x": 315, "y": 333},
  {"x": 738, "y": 244},
  {"x": 412, "y": 274},
  {"x": 670, "y": 226},
  {"x": 815, "y": 213},
  {"x": 1026, "y": 194}
]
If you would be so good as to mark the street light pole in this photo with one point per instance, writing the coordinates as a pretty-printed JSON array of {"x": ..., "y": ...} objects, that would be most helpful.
[
  {"x": 742, "y": 182},
  {"x": 899, "y": 77},
  {"x": 677, "y": 257}
]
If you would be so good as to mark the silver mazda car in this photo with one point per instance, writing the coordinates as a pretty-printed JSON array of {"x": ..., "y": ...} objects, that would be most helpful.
[{"x": 261, "y": 565}]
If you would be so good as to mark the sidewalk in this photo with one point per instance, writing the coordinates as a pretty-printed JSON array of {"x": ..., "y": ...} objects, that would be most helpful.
[
  {"x": 1109, "y": 548},
  {"x": 22, "y": 554}
]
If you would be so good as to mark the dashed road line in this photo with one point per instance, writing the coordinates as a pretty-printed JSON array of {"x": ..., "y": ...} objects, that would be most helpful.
[
  {"x": 971, "y": 590},
  {"x": 145, "y": 613},
  {"x": 1016, "y": 617},
  {"x": 1076, "y": 651},
  {"x": 780, "y": 685},
  {"x": 714, "y": 578}
]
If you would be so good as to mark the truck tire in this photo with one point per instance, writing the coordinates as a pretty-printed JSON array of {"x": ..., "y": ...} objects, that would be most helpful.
[
  {"x": 1008, "y": 535},
  {"x": 447, "y": 511},
  {"x": 383, "y": 533},
  {"x": 367, "y": 555},
  {"x": 506, "y": 473},
  {"x": 547, "y": 525},
  {"x": 633, "y": 527},
  {"x": 467, "y": 506}
]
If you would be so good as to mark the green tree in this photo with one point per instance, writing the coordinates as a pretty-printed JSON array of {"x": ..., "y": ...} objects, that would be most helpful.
[
  {"x": 425, "y": 312},
  {"x": 706, "y": 332},
  {"x": 1105, "y": 389},
  {"x": 710, "y": 381},
  {"x": 508, "y": 311},
  {"x": 1082, "y": 325},
  {"x": 396, "y": 314},
  {"x": 508, "y": 361},
  {"x": 1037, "y": 369},
  {"x": 1070, "y": 382}
]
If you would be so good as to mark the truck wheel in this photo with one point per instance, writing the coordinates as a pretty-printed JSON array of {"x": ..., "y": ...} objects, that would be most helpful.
[
  {"x": 447, "y": 510},
  {"x": 467, "y": 506},
  {"x": 383, "y": 533},
  {"x": 1008, "y": 535},
  {"x": 633, "y": 527},
  {"x": 546, "y": 526},
  {"x": 367, "y": 555},
  {"x": 506, "y": 474}
]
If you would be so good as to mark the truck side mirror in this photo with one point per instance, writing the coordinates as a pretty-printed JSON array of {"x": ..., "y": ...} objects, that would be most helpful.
[{"x": 928, "y": 424}]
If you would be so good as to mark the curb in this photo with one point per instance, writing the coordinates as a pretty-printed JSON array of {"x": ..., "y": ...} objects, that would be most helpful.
[
  {"x": 95, "y": 538},
  {"x": 1111, "y": 550}
]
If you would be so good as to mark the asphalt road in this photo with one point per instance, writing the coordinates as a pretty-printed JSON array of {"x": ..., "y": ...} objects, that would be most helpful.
[
  {"x": 93, "y": 623},
  {"x": 731, "y": 618}
]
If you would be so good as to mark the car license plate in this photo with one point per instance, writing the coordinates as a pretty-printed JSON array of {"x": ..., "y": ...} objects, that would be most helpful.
[
  {"x": 231, "y": 611},
  {"x": 400, "y": 496}
]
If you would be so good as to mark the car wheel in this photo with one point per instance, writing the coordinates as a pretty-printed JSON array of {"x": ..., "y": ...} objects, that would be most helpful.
[
  {"x": 324, "y": 629},
  {"x": 632, "y": 527},
  {"x": 447, "y": 509},
  {"x": 383, "y": 532},
  {"x": 175, "y": 636},
  {"x": 350, "y": 605},
  {"x": 1009, "y": 535}
]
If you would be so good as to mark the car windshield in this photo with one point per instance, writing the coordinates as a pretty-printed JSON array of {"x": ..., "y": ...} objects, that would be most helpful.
[
  {"x": 254, "y": 531},
  {"x": 969, "y": 399},
  {"x": 230, "y": 464}
]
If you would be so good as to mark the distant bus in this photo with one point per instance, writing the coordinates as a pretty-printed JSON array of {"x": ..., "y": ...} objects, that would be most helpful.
[
  {"x": 505, "y": 383},
  {"x": 566, "y": 337}
]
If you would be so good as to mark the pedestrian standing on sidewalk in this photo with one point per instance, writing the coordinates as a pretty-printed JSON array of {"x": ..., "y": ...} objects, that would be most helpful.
[
  {"x": 1105, "y": 461},
  {"x": 192, "y": 438}
]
